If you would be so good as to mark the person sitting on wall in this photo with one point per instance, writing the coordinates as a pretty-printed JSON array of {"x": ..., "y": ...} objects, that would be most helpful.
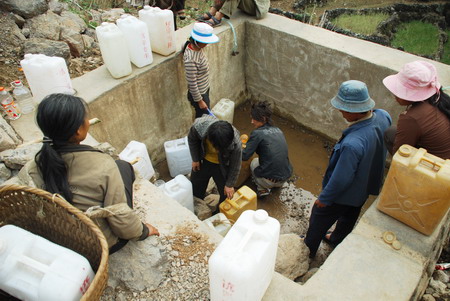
[
  {"x": 216, "y": 152},
  {"x": 84, "y": 176},
  {"x": 226, "y": 8},
  {"x": 426, "y": 121},
  {"x": 272, "y": 168},
  {"x": 355, "y": 169}
]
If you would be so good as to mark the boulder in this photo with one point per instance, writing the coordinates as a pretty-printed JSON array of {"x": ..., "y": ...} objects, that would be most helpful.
[
  {"x": 292, "y": 256},
  {"x": 17, "y": 158},
  {"x": 57, "y": 7},
  {"x": 112, "y": 15},
  {"x": 26, "y": 9},
  {"x": 47, "y": 47},
  {"x": 72, "y": 28},
  {"x": 201, "y": 209},
  {"x": 139, "y": 265},
  {"x": 8, "y": 136},
  {"x": 5, "y": 173},
  {"x": 46, "y": 26}
]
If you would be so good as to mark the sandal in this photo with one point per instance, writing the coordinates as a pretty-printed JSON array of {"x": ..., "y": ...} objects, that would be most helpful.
[
  {"x": 203, "y": 18},
  {"x": 214, "y": 22}
]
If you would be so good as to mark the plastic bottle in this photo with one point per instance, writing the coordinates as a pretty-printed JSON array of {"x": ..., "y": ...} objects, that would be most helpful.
[
  {"x": 224, "y": 110},
  {"x": 34, "y": 268},
  {"x": 243, "y": 199},
  {"x": 242, "y": 266},
  {"x": 178, "y": 156},
  {"x": 46, "y": 75},
  {"x": 138, "y": 40},
  {"x": 180, "y": 189},
  {"x": 9, "y": 107},
  {"x": 113, "y": 47},
  {"x": 23, "y": 97},
  {"x": 160, "y": 27},
  {"x": 137, "y": 152}
]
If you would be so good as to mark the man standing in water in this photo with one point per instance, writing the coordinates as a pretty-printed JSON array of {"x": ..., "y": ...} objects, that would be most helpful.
[
  {"x": 272, "y": 168},
  {"x": 355, "y": 169}
]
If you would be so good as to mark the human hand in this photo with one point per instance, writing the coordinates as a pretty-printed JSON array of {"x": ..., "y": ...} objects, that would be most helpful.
[
  {"x": 202, "y": 105},
  {"x": 229, "y": 192},
  {"x": 152, "y": 230},
  {"x": 319, "y": 204},
  {"x": 195, "y": 166}
]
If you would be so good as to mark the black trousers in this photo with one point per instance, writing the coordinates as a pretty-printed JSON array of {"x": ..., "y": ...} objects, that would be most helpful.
[
  {"x": 201, "y": 178},
  {"x": 199, "y": 112},
  {"x": 323, "y": 218},
  {"x": 128, "y": 177}
]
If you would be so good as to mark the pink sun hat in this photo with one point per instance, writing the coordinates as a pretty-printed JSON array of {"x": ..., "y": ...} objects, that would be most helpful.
[{"x": 417, "y": 81}]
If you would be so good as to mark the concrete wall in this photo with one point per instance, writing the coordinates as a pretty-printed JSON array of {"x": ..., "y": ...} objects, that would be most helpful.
[{"x": 299, "y": 68}]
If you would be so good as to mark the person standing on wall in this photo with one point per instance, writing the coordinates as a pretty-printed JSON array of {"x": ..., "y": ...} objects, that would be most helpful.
[
  {"x": 84, "y": 176},
  {"x": 426, "y": 121},
  {"x": 216, "y": 152},
  {"x": 355, "y": 169},
  {"x": 272, "y": 168},
  {"x": 226, "y": 8},
  {"x": 196, "y": 67}
]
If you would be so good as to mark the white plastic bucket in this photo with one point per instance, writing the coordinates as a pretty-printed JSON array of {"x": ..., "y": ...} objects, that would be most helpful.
[
  {"x": 136, "y": 153},
  {"x": 219, "y": 223},
  {"x": 33, "y": 268},
  {"x": 138, "y": 40},
  {"x": 243, "y": 264},
  {"x": 113, "y": 47},
  {"x": 46, "y": 75},
  {"x": 224, "y": 110},
  {"x": 180, "y": 189},
  {"x": 160, "y": 27},
  {"x": 178, "y": 156}
]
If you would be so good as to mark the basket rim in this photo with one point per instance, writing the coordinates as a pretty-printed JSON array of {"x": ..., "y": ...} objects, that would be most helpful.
[{"x": 102, "y": 270}]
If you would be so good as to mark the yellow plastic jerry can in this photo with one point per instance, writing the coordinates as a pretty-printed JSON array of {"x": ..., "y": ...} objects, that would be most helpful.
[
  {"x": 243, "y": 199},
  {"x": 417, "y": 189}
]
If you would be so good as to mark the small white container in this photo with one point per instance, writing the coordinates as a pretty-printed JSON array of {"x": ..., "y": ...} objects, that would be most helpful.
[
  {"x": 219, "y": 223},
  {"x": 243, "y": 264},
  {"x": 224, "y": 110},
  {"x": 180, "y": 189},
  {"x": 23, "y": 97},
  {"x": 46, "y": 75},
  {"x": 33, "y": 268},
  {"x": 114, "y": 49},
  {"x": 160, "y": 27},
  {"x": 178, "y": 156},
  {"x": 136, "y": 153},
  {"x": 138, "y": 40}
]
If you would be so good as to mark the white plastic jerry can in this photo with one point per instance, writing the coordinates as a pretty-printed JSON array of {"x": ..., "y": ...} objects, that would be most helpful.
[
  {"x": 160, "y": 27},
  {"x": 46, "y": 75},
  {"x": 136, "y": 153},
  {"x": 178, "y": 156},
  {"x": 114, "y": 49},
  {"x": 224, "y": 110},
  {"x": 243, "y": 264},
  {"x": 33, "y": 268},
  {"x": 138, "y": 40},
  {"x": 180, "y": 189}
]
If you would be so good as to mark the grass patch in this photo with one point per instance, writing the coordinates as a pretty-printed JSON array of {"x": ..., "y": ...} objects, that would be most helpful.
[
  {"x": 446, "y": 55},
  {"x": 417, "y": 37},
  {"x": 363, "y": 24}
]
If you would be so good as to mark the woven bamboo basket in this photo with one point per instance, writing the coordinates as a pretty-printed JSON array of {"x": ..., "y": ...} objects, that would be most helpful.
[{"x": 53, "y": 218}]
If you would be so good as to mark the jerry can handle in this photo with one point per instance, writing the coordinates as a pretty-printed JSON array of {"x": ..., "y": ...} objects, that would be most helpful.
[
  {"x": 419, "y": 157},
  {"x": 234, "y": 203}
]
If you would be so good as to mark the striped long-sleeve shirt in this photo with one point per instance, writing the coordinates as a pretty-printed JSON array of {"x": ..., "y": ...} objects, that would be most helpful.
[{"x": 197, "y": 72}]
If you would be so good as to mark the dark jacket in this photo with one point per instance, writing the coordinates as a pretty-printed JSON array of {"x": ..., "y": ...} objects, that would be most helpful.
[
  {"x": 356, "y": 166},
  {"x": 229, "y": 160},
  {"x": 270, "y": 145}
]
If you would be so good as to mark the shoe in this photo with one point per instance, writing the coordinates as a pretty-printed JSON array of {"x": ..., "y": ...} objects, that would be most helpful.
[
  {"x": 262, "y": 193},
  {"x": 214, "y": 22},
  {"x": 326, "y": 239},
  {"x": 202, "y": 17},
  {"x": 181, "y": 14}
]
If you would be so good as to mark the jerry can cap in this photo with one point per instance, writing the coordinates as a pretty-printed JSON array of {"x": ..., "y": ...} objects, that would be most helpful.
[
  {"x": 405, "y": 151},
  {"x": 260, "y": 216},
  {"x": 389, "y": 237},
  {"x": 226, "y": 206}
]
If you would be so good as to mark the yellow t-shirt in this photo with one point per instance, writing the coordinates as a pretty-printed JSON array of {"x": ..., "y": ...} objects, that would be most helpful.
[{"x": 212, "y": 154}]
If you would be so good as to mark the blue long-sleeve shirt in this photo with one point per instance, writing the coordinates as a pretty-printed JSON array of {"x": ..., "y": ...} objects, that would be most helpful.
[{"x": 356, "y": 166}]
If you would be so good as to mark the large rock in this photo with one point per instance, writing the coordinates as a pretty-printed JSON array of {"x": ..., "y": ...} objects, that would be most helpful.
[
  {"x": 112, "y": 15},
  {"x": 292, "y": 256},
  {"x": 46, "y": 26},
  {"x": 17, "y": 158},
  {"x": 26, "y": 9},
  {"x": 139, "y": 265},
  {"x": 72, "y": 28},
  {"x": 5, "y": 173},
  {"x": 47, "y": 47},
  {"x": 8, "y": 136}
]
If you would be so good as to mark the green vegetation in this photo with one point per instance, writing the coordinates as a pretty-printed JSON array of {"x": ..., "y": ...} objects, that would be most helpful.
[
  {"x": 417, "y": 37},
  {"x": 363, "y": 24},
  {"x": 446, "y": 55}
]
